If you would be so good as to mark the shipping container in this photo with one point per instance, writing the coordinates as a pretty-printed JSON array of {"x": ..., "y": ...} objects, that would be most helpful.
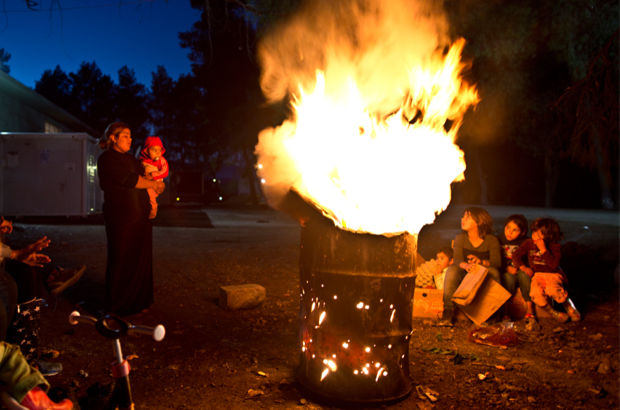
[{"x": 49, "y": 174}]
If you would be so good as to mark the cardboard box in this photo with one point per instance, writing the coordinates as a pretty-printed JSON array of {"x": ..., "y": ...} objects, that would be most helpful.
[
  {"x": 427, "y": 303},
  {"x": 489, "y": 297}
]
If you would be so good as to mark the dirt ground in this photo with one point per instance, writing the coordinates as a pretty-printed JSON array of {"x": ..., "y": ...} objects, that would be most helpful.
[{"x": 213, "y": 358}]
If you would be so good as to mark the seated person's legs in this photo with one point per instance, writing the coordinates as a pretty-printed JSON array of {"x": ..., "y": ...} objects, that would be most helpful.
[
  {"x": 525, "y": 284},
  {"x": 454, "y": 276},
  {"x": 494, "y": 274},
  {"x": 28, "y": 280},
  {"x": 8, "y": 301},
  {"x": 509, "y": 281}
]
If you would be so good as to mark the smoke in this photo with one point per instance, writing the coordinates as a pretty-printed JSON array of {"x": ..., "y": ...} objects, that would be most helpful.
[
  {"x": 372, "y": 42},
  {"x": 375, "y": 41}
]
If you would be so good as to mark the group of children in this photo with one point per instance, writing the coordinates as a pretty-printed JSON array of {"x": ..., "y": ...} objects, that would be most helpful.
[{"x": 512, "y": 259}]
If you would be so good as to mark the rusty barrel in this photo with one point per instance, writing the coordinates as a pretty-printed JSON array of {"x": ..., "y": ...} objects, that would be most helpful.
[{"x": 356, "y": 313}]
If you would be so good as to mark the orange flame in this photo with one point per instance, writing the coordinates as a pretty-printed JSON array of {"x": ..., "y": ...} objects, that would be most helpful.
[{"x": 366, "y": 170}]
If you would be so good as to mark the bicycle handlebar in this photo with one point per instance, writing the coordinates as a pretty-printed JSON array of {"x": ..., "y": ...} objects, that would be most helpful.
[{"x": 113, "y": 327}]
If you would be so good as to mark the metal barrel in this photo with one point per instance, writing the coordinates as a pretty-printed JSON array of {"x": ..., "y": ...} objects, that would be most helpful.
[{"x": 356, "y": 313}]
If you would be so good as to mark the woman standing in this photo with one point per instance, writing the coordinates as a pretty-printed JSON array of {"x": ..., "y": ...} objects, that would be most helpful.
[{"x": 129, "y": 271}]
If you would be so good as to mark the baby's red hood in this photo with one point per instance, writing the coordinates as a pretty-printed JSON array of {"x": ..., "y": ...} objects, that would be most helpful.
[{"x": 151, "y": 142}]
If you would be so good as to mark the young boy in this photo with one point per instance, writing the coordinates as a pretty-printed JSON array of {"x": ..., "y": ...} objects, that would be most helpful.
[
  {"x": 444, "y": 259},
  {"x": 155, "y": 167}
]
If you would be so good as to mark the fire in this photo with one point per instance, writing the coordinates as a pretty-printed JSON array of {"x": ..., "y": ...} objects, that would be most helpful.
[{"x": 371, "y": 137}]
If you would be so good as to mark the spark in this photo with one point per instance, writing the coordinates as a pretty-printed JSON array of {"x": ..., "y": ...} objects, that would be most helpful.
[
  {"x": 322, "y": 317},
  {"x": 379, "y": 373},
  {"x": 324, "y": 374},
  {"x": 331, "y": 364}
]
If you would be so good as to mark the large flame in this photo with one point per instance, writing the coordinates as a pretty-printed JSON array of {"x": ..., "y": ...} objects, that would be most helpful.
[{"x": 375, "y": 162}]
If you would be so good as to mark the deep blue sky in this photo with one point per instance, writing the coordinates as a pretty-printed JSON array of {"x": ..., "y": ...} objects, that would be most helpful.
[{"x": 141, "y": 34}]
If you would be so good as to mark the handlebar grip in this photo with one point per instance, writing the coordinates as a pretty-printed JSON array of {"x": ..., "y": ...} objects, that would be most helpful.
[
  {"x": 157, "y": 333},
  {"x": 75, "y": 318}
]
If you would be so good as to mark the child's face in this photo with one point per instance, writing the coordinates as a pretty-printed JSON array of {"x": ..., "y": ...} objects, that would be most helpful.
[
  {"x": 443, "y": 260},
  {"x": 154, "y": 152},
  {"x": 468, "y": 223},
  {"x": 511, "y": 231}
]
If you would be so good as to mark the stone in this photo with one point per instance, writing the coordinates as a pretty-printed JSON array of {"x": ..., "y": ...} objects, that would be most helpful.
[
  {"x": 241, "y": 296},
  {"x": 604, "y": 367}
]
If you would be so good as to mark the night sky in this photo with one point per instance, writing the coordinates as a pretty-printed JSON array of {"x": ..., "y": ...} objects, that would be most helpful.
[{"x": 141, "y": 34}]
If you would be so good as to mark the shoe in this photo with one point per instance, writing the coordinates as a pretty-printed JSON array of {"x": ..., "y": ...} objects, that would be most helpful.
[
  {"x": 60, "y": 279},
  {"x": 559, "y": 316},
  {"x": 530, "y": 322},
  {"x": 48, "y": 353},
  {"x": 574, "y": 314},
  {"x": 48, "y": 369},
  {"x": 36, "y": 399},
  {"x": 445, "y": 323},
  {"x": 572, "y": 311}
]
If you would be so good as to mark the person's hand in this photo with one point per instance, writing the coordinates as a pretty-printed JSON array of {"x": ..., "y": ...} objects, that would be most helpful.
[
  {"x": 36, "y": 259},
  {"x": 512, "y": 270},
  {"x": 473, "y": 260},
  {"x": 6, "y": 226},
  {"x": 159, "y": 186},
  {"x": 37, "y": 246},
  {"x": 539, "y": 241},
  {"x": 466, "y": 266}
]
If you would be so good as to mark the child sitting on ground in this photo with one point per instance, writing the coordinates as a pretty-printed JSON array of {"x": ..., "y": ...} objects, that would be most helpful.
[
  {"x": 431, "y": 273},
  {"x": 475, "y": 246},
  {"x": 444, "y": 259},
  {"x": 155, "y": 167},
  {"x": 548, "y": 279},
  {"x": 514, "y": 234}
]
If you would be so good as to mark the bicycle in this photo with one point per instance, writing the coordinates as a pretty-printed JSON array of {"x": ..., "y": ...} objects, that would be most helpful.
[{"x": 112, "y": 327}]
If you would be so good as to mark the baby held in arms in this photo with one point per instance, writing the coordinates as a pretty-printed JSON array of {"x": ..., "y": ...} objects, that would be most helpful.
[{"x": 155, "y": 167}]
